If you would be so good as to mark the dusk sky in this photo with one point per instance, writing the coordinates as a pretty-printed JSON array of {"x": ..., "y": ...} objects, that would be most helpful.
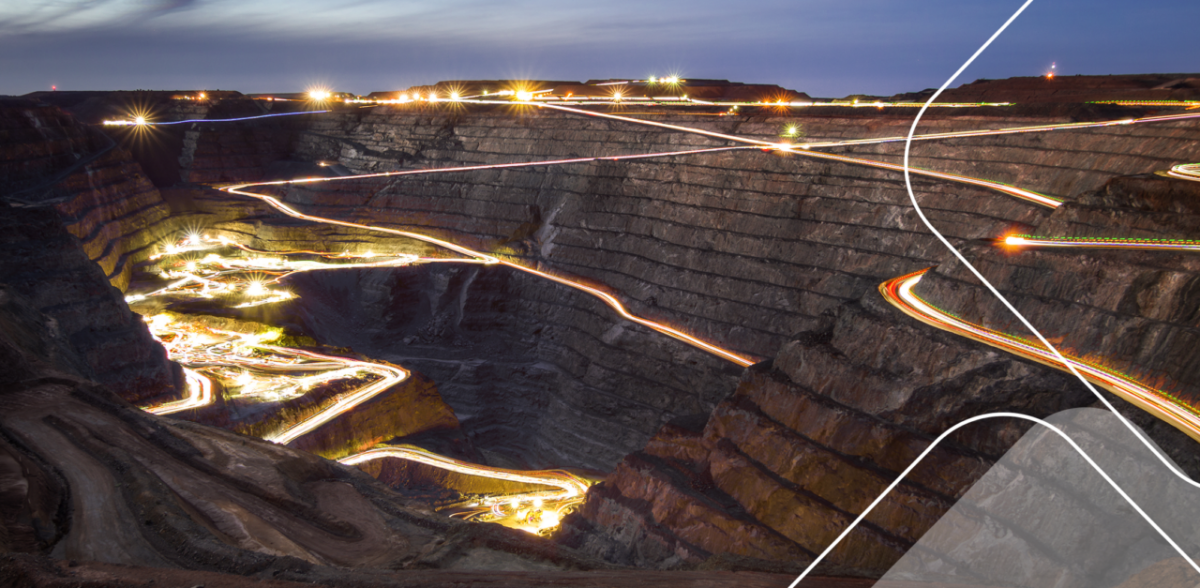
[{"x": 823, "y": 47}]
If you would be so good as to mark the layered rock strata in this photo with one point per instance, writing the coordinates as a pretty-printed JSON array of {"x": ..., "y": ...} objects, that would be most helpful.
[
  {"x": 87, "y": 477},
  {"x": 47, "y": 265},
  {"x": 770, "y": 256},
  {"x": 744, "y": 249},
  {"x": 808, "y": 440},
  {"x": 1132, "y": 311}
]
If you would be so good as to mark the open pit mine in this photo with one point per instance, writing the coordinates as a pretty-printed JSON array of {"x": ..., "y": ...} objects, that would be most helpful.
[{"x": 654, "y": 332}]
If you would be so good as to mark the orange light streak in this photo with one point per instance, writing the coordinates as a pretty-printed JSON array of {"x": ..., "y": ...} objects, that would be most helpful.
[
  {"x": 1021, "y": 193},
  {"x": 546, "y": 508},
  {"x": 487, "y": 259},
  {"x": 898, "y": 292},
  {"x": 391, "y": 377},
  {"x": 1017, "y": 241}
]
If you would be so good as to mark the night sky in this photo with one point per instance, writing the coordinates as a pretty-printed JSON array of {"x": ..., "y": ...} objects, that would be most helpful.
[{"x": 827, "y": 48}]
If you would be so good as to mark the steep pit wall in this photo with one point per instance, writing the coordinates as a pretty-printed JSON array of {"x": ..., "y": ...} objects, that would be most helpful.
[
  {"x": 744, "y": 248},
  {"x": 770, "y": 256},
  {"x": 1133, "y": 311},
  {"x": 738, "y": 248},
  {"x": 808, "y": 440},
  {"x": 46, "y": 265},
  {"x": 82, "y": 206}
]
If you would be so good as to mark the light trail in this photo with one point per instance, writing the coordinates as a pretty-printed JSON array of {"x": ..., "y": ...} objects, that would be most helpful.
[
  {"x": 391, "y": 377},
  {"x": 1021, "y": 193},
  {"x": 670, "y": 101},
  {"x": 491, "y": 166},
  {"x": 1180, "y": 103},
  {"x": 244, "y": 361},
  {"x": 1013, "y": 130},
  {"x": 1019, "y": 241},
  {"x": 141, "y": 121},
  {"x": 545, "y": 510},
  {"x": 488, "y": 259},
  {"x": 1058, "y": 357},
  {"x": 199, "y": 394},
  {"x": 1186, "y": 171},
  {"x": 1167, "y": 407},
  {"x": 870, "y": 141}
]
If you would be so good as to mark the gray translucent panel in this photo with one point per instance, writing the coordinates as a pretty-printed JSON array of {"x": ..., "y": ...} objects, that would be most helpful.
[{"x": 1044, "y": 517}]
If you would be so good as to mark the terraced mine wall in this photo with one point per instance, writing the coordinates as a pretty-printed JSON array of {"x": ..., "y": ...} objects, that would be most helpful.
[
  {"x": 774, "y": 257},
  {"x": 745, "y": 249},
  {"x": 77, "y": 206},
  {"x": 93, "y": 481}
]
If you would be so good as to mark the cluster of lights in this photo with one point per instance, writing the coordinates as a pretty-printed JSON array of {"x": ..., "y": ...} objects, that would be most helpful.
[
  {"x": 201, "y": 266},
  {"x": 509, "y": 509},
  {"x": 534, "y": 512}
]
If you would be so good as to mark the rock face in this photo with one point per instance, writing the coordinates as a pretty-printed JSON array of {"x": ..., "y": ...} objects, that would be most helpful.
[
  {"x": 742, "y": 248},
  {"x": 46, "y": 265},
  {"x": 87, "y": 477},
  {"x": 410, "y": 408},
  {"x": 774, "y": 257},
  {"x": 90, "y": 478},
  {"x": 82, "y": 208},
  {"x": 816, "y": 435}
]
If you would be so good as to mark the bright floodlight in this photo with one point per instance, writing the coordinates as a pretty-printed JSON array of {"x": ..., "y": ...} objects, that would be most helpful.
[
  {"x": 672, "y": 80},
  {"x": 1014, "y": 240},
  {"x": 454, "y": 96},
  {"x": 319, "y": 95},
  {"x": 256, "y": 289},
  {"x": 617, "y": 96},
  {"x": 524, "y": 95},
  {"x": 141, "y": 120}
]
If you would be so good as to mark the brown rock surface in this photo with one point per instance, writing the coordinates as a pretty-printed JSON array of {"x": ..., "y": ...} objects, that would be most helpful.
[{"x": 771, "y": 256}]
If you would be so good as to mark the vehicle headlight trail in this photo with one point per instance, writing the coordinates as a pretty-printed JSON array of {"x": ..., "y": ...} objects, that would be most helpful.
[
  {"x": 247, "y": 362},
  {"x": 544, "y": 509},
  {"x": 1186, "y": 171},
  {"x": 488, "y": 259},
  {"x": 141, "y": 121},
  {"x": 898, "y": 291},
  {"x": 807, "y": 148},
  {"x": 1028, "y": 241}
]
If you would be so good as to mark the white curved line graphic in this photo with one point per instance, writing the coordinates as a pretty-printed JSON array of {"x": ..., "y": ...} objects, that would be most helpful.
[
  {"x": 951, "y": 431},
  {"x": 908, "y": 185}
]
